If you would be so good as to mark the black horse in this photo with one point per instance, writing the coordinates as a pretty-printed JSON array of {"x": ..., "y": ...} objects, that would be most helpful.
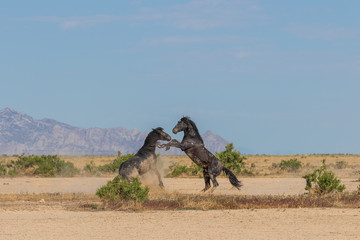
[
  {"x": 193, "y": 145},
  {"x": 145, "y": 159}
]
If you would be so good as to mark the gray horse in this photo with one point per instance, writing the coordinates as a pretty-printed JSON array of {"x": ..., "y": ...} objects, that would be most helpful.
[
  {"x": 145, "y": 159},
  {"x": 193, "y": 145}
]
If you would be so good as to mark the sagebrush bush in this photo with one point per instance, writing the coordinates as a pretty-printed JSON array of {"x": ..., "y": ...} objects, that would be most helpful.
[
  {"x": 247, "y": 172},
  {"x": 115, "y": 164},
  {"x": 91, "y": 168},
  {"x": 67, "y": 169},
  {"x": 177, "y": 170},
  {"x": 341, "y": 165},
  {"x": 3, "y": 170},
  {"x": 118, "y": 189},
  {"x": 323, "y": 181},
  {"x": 291, "y": 165},
  {"x": 44, "y": 165},
  {"x": 231, "y": 159}
]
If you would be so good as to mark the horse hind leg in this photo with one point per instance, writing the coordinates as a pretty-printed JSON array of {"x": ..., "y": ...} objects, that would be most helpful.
[
  {"x": 211, "y": 177},
  {"x": 215, "y": 183},
  {"x": 161, "y": 184},
  {"x": 128, "y": 174},
  {"x": 214, "y": 171},
  {"x": 207, "y": 180},
  {"x": 124, "y": 177}
]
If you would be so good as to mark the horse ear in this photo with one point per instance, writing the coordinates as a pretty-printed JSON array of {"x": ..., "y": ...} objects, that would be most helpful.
[{"x": 158, "y": 130}]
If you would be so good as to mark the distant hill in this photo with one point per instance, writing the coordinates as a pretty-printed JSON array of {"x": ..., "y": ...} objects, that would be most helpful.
[{"x": 20, "y": 133}]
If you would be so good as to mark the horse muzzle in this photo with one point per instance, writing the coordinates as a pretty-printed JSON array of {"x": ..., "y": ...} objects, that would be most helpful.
[{"x": 175, "y": 130}]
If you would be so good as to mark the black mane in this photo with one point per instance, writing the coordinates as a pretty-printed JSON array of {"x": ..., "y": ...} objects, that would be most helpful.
[
  {"x": 151, "y": 138},
  {"x": 192, "y": 124}
]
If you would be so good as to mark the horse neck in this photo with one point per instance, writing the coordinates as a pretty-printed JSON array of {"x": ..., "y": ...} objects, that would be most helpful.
[
  {"x": 149, "y": 145},
  {"x": 195, "y": 138}
]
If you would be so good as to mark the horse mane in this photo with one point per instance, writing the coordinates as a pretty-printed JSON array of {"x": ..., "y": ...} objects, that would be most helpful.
[
  {"x": 193, "y": 126},
  {"x": 149, "y": 139},
  {"x": 151, "y": 134}
]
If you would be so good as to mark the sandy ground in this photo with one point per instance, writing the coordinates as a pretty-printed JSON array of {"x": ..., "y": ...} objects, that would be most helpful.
[
  {"x": 54, "y": 221},
  {"x": 251, "y": 186}
]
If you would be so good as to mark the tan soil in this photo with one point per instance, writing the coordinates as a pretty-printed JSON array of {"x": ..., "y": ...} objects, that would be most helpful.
[
  {"x": 43, "y": 220},
  {"x": 251, "y": 186},
  {"x": 55, "y": 223}
]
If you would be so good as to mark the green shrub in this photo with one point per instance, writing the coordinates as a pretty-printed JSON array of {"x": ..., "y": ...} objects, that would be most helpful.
[
  {"x": 177, "y": 170},
  {"x": 291, "y": 165},
  {"x": 247, "y": 172},
  {"x": 2, "y": 170},
  {"x": 90, "y": 168},
  {"x": 67, "y": 169},
  {"x": 115, "y": 164},
  {"x": 196, "y": 170},
  {"x": 231, "y": 159},
  {"x": 12, "y": 172},
  {"x": 323, "y": 181},
  {"x": 341, "y": 165},
  {"x": 123, "y": 190},
  {"x": 44, "y": 165}
]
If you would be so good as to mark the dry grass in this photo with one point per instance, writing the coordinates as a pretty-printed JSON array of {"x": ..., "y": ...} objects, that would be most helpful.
[
  {"x": 33, "y": 202},
  {"x": 162, "y": 200},
  {"x": 176, "y": 201},
  {"x": 48, "y": 197},
  {"x": 343, "y": 165},
  {"x": 263, "y": 164}
]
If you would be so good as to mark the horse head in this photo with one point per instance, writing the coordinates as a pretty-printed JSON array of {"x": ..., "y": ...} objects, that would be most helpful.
[
  {"x": 161, "y": 134},
  {"x": 188, "y": 126},
  {"x": 182, "y": 125}
]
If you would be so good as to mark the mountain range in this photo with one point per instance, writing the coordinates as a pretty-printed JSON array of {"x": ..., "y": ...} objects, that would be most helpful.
[{"x": 20, "y": 133}]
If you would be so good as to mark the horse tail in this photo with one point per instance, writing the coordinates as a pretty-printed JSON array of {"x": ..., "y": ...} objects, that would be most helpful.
[{"x": 232, "y": 178}]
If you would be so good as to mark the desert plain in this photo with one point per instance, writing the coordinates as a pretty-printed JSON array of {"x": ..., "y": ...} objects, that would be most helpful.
[{"x": 67, "y": 208}]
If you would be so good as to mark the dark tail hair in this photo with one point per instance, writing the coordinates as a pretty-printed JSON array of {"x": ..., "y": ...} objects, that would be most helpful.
[{"x": 232, "y": 178}]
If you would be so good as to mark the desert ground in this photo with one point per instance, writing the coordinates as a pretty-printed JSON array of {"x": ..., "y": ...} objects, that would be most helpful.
[{"x": 26, "y": 214}]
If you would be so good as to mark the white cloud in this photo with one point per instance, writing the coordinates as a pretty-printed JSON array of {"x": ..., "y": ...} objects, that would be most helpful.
[
  {"x": 318, "y": 32},
  {"x": 183, "y": 40},
  {"x": 196, "y": 15},
  {"x": 77, "y": 21},
  {"x": 203, "y": 14}
]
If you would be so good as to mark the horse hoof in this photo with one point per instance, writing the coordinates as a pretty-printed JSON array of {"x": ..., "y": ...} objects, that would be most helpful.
[
  {"x": 205, "y": 189},
  {"x": 213, "y": 189}
]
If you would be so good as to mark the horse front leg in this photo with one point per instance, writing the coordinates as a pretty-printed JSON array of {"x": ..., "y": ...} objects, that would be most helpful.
[{"x": 172, "y": 143}]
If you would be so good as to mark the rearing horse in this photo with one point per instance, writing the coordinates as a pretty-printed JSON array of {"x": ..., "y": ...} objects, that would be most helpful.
[
  {"x": 193, "y": 145},
  {"x": 145, "y": 159}
]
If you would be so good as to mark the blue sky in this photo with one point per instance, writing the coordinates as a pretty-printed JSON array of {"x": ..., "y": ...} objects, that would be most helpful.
[{"x": 273, "y": 77}]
